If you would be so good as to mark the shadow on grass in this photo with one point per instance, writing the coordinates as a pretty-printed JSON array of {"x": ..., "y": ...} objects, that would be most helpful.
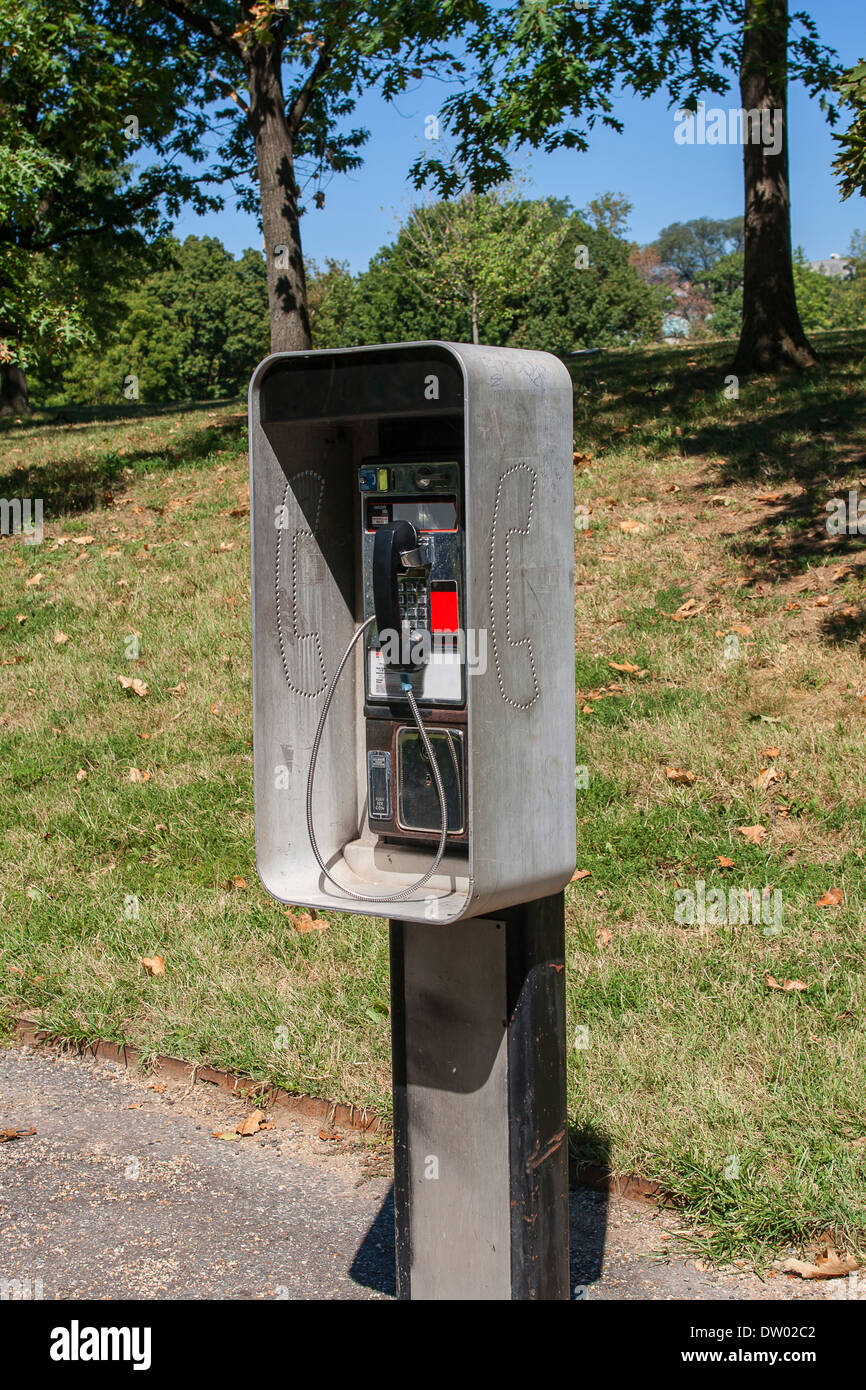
[
  {"x": 72, "y": 482},
  {"x": 799, "y": 434}
]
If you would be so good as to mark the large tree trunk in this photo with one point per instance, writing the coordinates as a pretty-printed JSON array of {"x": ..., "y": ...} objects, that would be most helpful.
[
  {"x": 287, "y": 287},
  {"x": 772, "y": 335},
  {"x": 14, "y": 399}
]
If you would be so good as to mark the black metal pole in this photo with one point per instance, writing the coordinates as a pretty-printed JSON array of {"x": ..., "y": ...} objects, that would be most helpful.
[{"x": 480, "y": 1136}]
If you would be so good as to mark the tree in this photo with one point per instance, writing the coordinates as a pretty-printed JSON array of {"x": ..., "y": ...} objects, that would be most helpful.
[
  {"x": 73, "y": 210},
  {"x": 695, "y": 247},
  {"x": 303, "y": 64},
  {"x": 332, "y": 297},
  {"x": 545, "y": 74},
  {"x": 540, "y": 275},
  {"x": 722, "y": 282},
  {"x": 825, "y": 302},
  {"x": 590, "y": 296},
  {"x": 771, "y": 333},
  {"x": 609, "y": 212},
  {"x": 850, "y": 162},
  {"x": 192, "y": 330},
  {"x": 482, "y": 254}
]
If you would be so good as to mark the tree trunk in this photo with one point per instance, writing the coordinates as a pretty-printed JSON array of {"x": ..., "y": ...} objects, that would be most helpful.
[
  {"x": 14, "y": 399},
  {"x": 772, "y": 335},
  {"x": 475, "y": 338},
  {"x": 287, "y": 287}
]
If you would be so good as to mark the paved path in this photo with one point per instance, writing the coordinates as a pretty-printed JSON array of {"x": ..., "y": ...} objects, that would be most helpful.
[{"x": 124, "y": 1192}]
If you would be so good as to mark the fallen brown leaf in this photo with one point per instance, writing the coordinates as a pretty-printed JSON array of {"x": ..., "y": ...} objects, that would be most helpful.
[
  {"x": 579, "y": 874},
  {"x": 133, "y": 683},
  {"x": 725, "y": 863},
  {"x": 305, "y": 921},
  {"x": 766, "y": 777},
  {"x": 834, "y": 897},
  {"x": 787, "y": 986},
  {"x": 753, "y": 833},
  {"x": 827, "y": 1265},
  {"x": 154, "y": 965},
  {"x": 679, "y": 776},
  {"x": 689, "y": 609},
  {"x": 8, "y": 1134},
  {"x": 603, "y": 937},
  {"x": 770, "y": 752}
]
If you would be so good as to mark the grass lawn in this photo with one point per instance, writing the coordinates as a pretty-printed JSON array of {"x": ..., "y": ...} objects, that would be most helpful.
[{"x": 715, "y": 620}]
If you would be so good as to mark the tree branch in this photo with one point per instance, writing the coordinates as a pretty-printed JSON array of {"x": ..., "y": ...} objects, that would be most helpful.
[
  {"x": 207, "y": 27},
  {"x": 230, "y": 92},
  {"x": 317, "y": 72}
]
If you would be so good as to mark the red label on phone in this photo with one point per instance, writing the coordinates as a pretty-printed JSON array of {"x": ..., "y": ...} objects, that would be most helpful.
[{"x": 443, "y": 610}]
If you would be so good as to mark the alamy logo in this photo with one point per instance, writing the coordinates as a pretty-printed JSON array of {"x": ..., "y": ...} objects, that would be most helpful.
[
  {"x": 24, "y": 1290},
  {"x": 737, "y": 908},
  {"x": 22, "y": 517},
  {"x": 77, "y": 1343},
  {"x": 416, "y": 647},
  {"x": 734, "y": 126},
  {"x": 846, "y": 518}
]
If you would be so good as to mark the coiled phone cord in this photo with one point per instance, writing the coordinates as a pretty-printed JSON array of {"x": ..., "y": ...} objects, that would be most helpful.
[{"x": 408, "y": 692}]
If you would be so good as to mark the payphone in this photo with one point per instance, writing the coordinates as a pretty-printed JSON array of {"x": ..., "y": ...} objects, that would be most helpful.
[
  {"x": 413, "y": 693},
  {"x": 412, "y": 590}
]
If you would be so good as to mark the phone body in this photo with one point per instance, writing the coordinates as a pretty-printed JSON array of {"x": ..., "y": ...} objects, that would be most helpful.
[{"x": 421, "y": 638}]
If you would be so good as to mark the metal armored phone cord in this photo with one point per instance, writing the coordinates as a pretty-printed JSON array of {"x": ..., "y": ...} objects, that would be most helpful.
[{"x": 408, "y": 692}]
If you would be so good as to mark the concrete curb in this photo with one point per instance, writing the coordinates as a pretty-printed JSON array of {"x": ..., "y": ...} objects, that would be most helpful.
[{"x": 333, "y": 1113}]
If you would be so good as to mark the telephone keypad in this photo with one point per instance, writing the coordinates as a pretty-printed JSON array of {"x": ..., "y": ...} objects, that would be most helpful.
[{"x": 414, "y": 603}]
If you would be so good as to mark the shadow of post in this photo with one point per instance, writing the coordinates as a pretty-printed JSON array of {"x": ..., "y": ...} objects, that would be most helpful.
[{"x": 374, "y": 1264}]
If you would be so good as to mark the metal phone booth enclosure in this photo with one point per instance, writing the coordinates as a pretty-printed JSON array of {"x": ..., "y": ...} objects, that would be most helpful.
[{"x": 413, "y": 648}]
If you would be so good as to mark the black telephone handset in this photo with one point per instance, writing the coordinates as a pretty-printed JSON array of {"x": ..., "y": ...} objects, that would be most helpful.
[{"x": 395, "y": 552}]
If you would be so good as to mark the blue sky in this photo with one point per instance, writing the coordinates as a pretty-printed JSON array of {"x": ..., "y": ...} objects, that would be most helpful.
[{"x": 665, "y": 181}]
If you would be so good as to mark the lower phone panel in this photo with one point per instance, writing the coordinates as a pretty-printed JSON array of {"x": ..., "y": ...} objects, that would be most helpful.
[{"x": 402, "y": 799}]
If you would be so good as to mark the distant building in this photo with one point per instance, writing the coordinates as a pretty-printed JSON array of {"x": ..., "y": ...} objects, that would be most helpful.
[{"x": 835, "y": 265}]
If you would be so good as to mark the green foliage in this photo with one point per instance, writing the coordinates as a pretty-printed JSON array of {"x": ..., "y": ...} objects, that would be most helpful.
[
  {"x": 825, "y": 301},
  {"x": 694, "y": 247},
  {"x": 723, "y": 284},
  {"x": 193, "y": 330},
  {"x": 540, "y": 277},
  {"x": 850, "y": 162},
  {"x": 72, "y": 207},
  {"x": 545, "y": 73},
  {"x": 330, "y": 53},
  {"x": 591, "y": 296},
  {"x": 610, "y": 212}
]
